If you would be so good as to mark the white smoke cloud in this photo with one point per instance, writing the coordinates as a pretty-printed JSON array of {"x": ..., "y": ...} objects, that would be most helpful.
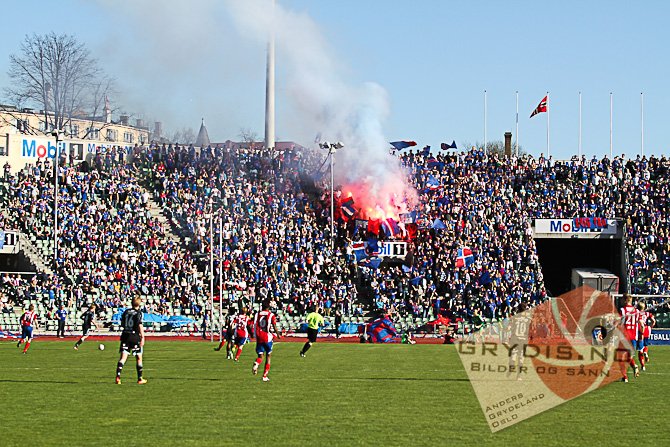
[{"x": 324, "y": 102}]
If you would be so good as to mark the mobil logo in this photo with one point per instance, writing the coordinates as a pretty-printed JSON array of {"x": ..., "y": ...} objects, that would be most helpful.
[
  {"x": 40, "y": 148},
  {"x": 560, "y": 226},
  {"x": 566, "y": 226}
]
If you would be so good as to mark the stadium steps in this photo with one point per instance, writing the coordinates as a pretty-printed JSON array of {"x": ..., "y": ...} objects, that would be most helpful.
[
  {"x": 33, "y": 255},
  {"x": 157, "y": 211}
]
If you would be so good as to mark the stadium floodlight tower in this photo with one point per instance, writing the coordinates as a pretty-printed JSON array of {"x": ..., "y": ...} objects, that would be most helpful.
[
  {"x": 332, "y": 148},
  {"x": 58, "y": 135}
]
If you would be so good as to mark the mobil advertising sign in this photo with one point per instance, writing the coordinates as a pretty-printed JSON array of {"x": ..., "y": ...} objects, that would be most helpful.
[
  {"x": 40, "y": 147},
  {"x": 576, "y": 225}
]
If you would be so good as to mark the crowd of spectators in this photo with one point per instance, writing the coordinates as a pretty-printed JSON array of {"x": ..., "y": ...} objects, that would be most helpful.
[
  {"x": 269, "y": 225},
  {"x": 109, "y": 241},
  {"x": 270, "y": 229}
]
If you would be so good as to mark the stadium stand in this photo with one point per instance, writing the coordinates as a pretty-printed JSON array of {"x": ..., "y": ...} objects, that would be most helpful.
[{"x": 141, "y": 225}]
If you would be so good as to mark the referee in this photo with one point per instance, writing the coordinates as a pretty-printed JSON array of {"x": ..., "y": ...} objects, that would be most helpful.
[{"x": 314, "y": 320}]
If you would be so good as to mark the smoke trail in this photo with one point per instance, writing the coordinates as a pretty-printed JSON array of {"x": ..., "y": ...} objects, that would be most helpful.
[{"x": 326, "y": 103}]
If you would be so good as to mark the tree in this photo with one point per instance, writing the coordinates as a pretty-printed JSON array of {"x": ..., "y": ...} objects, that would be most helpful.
[
  {"x": 184, "y": 136},
  {"x": 247, "y": 135},
  {"x": 56, "y": 74}
]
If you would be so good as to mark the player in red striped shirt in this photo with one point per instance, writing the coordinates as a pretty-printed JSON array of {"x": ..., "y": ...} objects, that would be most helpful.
[
  {"x": 265, "y": 327},
  {"x": 631, "y": 324},
  {"x": 241, "y": 325},
  {"x": 28, "y": 321},
  {"x": 647, "y": 321}
]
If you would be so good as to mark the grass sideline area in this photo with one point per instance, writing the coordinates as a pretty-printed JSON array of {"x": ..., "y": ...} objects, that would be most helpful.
[{"x": 340, "y": 394}]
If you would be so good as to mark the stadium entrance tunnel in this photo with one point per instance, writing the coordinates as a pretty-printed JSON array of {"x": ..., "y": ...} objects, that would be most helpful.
[{"x": 560, "y": 253}]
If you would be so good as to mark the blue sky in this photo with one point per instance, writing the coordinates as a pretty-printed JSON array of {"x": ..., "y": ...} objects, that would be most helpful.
[{"x": 180, "y": 61}]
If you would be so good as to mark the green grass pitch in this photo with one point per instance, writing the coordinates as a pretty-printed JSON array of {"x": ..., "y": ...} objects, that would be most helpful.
[{"x": 340, "y": 394}]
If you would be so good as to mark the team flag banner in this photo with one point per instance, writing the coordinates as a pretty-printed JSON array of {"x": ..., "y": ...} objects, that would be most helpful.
[
  {"x": 541, "y": 107},
  {"x": 545, "y": 356},
  {"x": 399, "y": 145}
]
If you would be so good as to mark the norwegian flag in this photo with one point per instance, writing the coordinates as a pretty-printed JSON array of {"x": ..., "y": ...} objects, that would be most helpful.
[
  {"x": 542, "y": 107},
  {"x": 464, "y": 257}
]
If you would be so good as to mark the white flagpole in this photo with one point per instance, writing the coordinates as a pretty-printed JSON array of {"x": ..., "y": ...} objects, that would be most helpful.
[
  {"x": 642, "y": 124},
  {"x": 517, "y": 124},
  {"x": 611, "y": 131},
  {"x": 220, "y": 279},
  {"x": 580, "y": 126},
  {"x": 485, "y": 121},
  {"x": 211, "y": 277},
  {"x": 548, "y": 153}
]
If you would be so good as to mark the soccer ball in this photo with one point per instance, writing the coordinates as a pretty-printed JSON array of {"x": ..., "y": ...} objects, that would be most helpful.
[{"x": 101, "y": 347}]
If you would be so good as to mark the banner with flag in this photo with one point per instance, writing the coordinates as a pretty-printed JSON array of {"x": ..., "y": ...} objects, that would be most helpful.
[
  {"x": 446, "y": 147},
  {"x": 425, "y": 151},
  {"x": 400, "y": 145},
  {"x": 464, "y": 257},
  {"x": 541, "y": 107}
]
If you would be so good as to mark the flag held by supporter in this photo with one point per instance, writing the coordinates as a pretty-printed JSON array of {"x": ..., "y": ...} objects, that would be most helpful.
[
  {"x": 446, "y": 147},
  {"x": 374, "y": 226},
  {"x": 372, "y": 247},
  {"x": 381, "y": 330},
  {"x": 464, "y": 257},
  {"x": 371, "y": 262},
  {"x": 347, "y": 209},
  {"x": 400, "y": 145},
  {"x": 426, "y": 151},
  {"x": 360, "y": 223},
  {"x": 411, "y": 229},
  {"x": 416, "y": 280},
  {"x": 390, "y": 227},
  {"x": 408, "y": 217},
  {"x": 438, "y": 225},
  {"x": 359, "y": 252},
  {"x": 432, "y": 183},
  {"x": 541, "y": 107}
]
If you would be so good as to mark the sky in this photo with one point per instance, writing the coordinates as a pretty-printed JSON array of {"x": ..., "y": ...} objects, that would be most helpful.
[{"x": 429, "y": 62}]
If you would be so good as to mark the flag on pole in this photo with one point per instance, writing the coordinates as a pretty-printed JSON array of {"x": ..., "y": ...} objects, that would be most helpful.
[{"x": 541, "y": 107}]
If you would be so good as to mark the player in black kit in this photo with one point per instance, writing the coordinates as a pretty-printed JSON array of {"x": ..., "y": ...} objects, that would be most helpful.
[
  {"x": 88, "y": 319},
  {"x": 132, "y": 339}
]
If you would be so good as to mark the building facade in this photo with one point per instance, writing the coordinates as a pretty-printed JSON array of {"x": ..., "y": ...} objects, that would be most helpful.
[{"x": 25, "y": 137}]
